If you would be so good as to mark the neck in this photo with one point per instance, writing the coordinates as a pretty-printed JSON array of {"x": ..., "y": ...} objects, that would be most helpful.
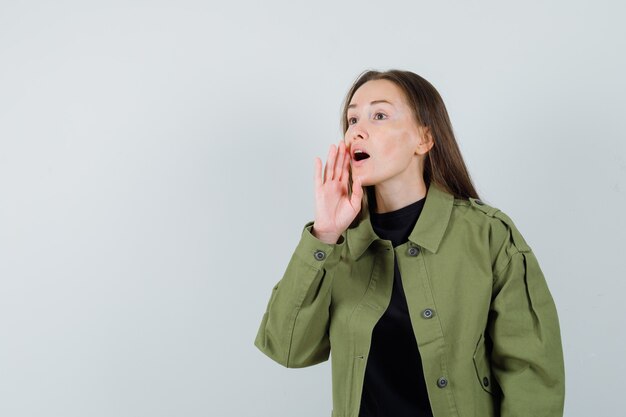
[{"x": 394, "y": 196}]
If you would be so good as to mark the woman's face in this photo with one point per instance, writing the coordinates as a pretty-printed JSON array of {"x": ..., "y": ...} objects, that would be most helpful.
[{"x": 381, "y": 124}]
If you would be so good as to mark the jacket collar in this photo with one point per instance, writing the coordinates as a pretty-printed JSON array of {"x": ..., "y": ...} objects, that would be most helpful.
[{"x": 428, "y": 230}]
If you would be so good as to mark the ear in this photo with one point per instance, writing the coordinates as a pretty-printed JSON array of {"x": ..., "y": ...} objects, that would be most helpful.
[{"x": 426, "y": 142}]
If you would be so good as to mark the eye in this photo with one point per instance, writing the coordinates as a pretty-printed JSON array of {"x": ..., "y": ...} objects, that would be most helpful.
[{"x": 375, "y": 117}]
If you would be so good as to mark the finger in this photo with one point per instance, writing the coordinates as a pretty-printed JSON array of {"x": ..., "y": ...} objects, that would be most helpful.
[
  {"x": 345, "y": 170},
  {"x": 318, "y": 172},
  {"x": 340, "y": 161},
  {"x": 330, "y": 164},
  {"x": 357, "y": 193}
]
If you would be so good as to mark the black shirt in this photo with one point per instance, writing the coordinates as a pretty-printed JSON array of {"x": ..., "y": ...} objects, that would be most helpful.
[{"x": 394, "y": 379}]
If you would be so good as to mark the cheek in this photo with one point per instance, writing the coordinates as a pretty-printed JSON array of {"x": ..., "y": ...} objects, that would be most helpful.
[
  {"x": 398, "y": 143},
  {"x": 347, "y": 137}
]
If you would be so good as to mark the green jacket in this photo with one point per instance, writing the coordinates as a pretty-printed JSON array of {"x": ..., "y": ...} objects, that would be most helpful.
[{"x": 485, "y": 322}]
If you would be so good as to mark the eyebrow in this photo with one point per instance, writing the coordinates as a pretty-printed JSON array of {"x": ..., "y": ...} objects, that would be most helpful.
[{"x": 373, "y": 102}]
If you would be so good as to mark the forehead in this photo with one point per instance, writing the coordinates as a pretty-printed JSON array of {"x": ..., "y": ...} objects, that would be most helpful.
[{"x": 378, "y": 90}]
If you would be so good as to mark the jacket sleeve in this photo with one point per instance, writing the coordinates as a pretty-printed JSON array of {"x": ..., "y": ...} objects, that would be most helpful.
[
  {"x": 294, "y": 327},
  {"x": 526, "y": 356}
]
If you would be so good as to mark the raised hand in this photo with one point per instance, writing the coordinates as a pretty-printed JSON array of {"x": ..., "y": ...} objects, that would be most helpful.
[{"x": 334, "y": 208}]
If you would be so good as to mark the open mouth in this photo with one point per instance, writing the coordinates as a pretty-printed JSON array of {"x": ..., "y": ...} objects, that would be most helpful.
[{"x": 360, "y": 155}]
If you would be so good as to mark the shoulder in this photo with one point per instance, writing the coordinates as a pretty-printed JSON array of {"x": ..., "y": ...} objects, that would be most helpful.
[{"x": 500, "y": 227}]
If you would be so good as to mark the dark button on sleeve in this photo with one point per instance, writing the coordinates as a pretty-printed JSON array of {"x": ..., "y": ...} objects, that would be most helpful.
[
  {"x": 413, "y": 251},
  {"x": 319, "y": 255},
  {"x": 486, "y": 381},
  {"x": 442, "y": 382},
  {"x": 428, "y": 313}
]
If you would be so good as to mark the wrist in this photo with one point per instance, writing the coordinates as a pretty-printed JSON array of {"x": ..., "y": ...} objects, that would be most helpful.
[{"x": 329, "y": 238}]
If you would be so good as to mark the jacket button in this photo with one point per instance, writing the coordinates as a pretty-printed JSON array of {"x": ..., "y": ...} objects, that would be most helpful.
[
  {"x": 428, "y": 313},
  {"x": 319, "y": 255},
  {"x": 486, "y": 381},
  {"x": 413, "y": 251},
  {"x": 442, "y": 382},
  {"x": 479, "y": 202}
]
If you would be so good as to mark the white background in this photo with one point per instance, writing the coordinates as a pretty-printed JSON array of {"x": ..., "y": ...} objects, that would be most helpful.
[{"x": 156, "y": 169}]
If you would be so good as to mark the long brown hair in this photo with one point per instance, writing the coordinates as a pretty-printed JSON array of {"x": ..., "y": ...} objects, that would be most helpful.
[{"x": 443, "y": 163}]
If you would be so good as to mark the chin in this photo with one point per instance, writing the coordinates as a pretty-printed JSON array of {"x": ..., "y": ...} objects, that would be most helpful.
[{"x": 366, "y": 182}]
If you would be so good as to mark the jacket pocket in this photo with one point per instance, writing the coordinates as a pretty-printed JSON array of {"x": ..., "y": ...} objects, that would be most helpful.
[{"x": 483, "y": 366}]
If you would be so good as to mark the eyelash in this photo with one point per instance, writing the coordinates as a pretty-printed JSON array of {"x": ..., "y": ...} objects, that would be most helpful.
[{"x": 350, "y": 118}]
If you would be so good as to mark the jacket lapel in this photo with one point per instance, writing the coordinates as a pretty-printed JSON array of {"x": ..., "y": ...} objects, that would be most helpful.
[{"x": 427, "y": 233}]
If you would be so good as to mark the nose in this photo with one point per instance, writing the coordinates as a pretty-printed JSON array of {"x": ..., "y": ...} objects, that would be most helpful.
[{"x": 356, "y": 132}]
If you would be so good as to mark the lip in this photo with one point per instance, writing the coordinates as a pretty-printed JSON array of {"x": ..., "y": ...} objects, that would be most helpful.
[{"x": 356, "y": 163}]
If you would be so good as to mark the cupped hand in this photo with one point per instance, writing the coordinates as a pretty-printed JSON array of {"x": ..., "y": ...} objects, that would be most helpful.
[{"x": 335, "y": 209}]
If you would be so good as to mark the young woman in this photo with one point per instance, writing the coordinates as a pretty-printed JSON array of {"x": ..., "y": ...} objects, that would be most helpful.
[{"x": 430, "y": 300}]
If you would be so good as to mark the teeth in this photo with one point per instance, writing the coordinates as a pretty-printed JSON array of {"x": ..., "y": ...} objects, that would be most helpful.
[{"x": 358, "y": 152}]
